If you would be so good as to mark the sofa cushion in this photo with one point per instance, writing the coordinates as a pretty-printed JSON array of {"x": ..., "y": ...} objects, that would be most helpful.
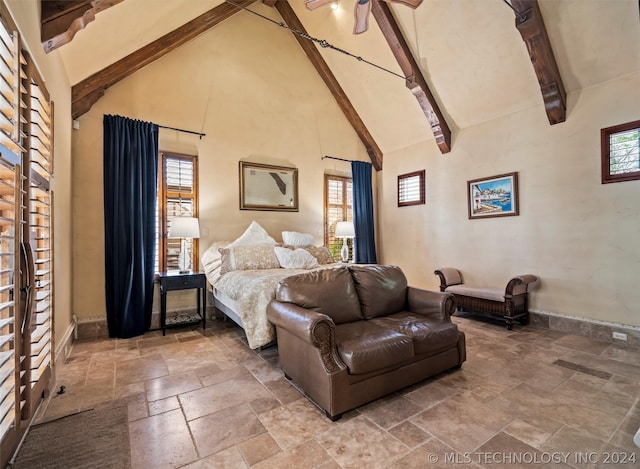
[
  {"x": 366, "y": 347},
  {"x": 382, "y": 289},
  {"x": 328, "y": 291},
  {"x": 428, "y": 336}
]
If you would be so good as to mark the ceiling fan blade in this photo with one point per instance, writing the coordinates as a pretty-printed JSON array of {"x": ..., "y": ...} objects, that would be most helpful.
[
  {"x": 361, "y": 14},
  {"x": 409, "y": 3},
  {"x": 313, "y": 4}
]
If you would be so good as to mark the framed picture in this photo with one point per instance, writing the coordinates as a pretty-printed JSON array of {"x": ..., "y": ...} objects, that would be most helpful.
[
  {"x": 267, "y": 187},
  {"x": 495, "y": 196}
]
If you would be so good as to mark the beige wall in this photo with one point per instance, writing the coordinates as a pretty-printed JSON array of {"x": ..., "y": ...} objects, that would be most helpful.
[
  {"x": 249, "y": 87},
  {"x": 578, "y": 235},
  {"x": 27, "y": 16}
]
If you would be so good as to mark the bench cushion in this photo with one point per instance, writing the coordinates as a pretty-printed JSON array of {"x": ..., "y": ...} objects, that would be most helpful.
[
  {"x": 366, "y": 347},
  {"x": 429, "y": 337},
  {"x": 484, "y": 293}
]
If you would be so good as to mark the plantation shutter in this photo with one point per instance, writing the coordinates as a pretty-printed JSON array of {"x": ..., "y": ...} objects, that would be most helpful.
[
  {"x": 178, "y": 198},
  {"x": 338, "y": 207},
  {"x": 9, "y": 184},
  {"x": 11, "y": 105},
  {"x": 41, "y": 229}
]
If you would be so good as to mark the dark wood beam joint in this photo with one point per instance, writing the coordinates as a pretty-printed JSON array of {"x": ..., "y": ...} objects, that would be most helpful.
[
  {"x": 416, "y": 81},
  {"x": 61, "y": 20},
  {"x": 309, "y": 48},
  {"x": 531, "y": 26}
]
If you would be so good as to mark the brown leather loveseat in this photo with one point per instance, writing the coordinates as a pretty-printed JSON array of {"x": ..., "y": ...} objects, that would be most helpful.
[{"x": 352, "y": 334}]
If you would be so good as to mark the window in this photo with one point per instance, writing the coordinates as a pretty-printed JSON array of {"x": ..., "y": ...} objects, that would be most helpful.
[
  {"x": 177, "y": 196},
  {"x": 338, "y": 203},
  {"x": 411, "y": 189},
  {"x": 620, "y": 152}
]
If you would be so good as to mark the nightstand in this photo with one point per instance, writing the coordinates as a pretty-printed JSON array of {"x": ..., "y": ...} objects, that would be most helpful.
[{"x": 174, "y": 280}]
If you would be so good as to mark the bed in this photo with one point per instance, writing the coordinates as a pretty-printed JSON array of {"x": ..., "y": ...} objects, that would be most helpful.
[{"x": 243, "y": 277}]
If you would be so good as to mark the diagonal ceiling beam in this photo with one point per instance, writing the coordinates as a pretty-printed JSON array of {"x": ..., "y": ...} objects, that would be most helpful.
[
  {"x": 292, "y": 20},
  {"x": 60, "y": 20},
  {"x": 415, "y": 80},
  {"x": 91, "y": 89},
  {"x": 531, "y": 26}
]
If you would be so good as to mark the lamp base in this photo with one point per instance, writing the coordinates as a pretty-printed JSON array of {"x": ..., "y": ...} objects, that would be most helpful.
[
  {"x": 344, "y": 252},
  {"x": 183, "y": 258}
]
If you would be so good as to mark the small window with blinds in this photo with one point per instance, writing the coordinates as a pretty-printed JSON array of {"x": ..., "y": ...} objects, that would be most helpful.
[
  {"x": 411, "y": 189},
  {"x": 338, "y": 206},
  {"x": 621, "y": 152},
  {"x": 177, "y": 197}
]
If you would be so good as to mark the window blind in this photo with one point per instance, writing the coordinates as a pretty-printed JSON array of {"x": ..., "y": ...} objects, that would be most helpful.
[
  {"x": 338, "y": 207},
  {"x": 177, "y": 196},
  {"x": 10, "y": 108},
  {"x": 411, "y": 188},
  {"x": 41, "y": 164}
]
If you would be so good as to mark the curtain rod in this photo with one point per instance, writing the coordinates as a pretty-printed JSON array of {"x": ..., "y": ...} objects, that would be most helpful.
[
  {"x": 335, "y": 158},
  {"x": 200, "y": 134}
]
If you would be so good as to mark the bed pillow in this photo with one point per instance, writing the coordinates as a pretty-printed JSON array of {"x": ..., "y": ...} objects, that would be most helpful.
[
  {"x": 321, "y": 253},
  {"x": 295, "y": 258},
  {"x": 293, "y": 238},
  {"x": 260, "y": 256},
  {"x": 211, "y": 260},
  {"x": 253, "y": 235}
]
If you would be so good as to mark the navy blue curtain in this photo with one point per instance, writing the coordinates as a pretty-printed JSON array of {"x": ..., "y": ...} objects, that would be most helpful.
[
  {"x": 130, "y": 187},
  {"x": 365, "y": 242}
]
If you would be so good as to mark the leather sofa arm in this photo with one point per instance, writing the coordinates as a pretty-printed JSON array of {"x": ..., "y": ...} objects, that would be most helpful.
[
  {"x": 519, "y": 285},
  {"x": 316, "y": 329},
  {"x": 431, "y": 303}
]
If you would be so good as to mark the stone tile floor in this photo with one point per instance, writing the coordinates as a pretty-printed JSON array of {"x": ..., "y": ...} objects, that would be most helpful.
[{"x": 524, "y": 398}]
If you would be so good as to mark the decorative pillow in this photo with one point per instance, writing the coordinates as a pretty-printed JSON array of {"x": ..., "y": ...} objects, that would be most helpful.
[
  {"x": 253, "y": 235},
  {"x": 321, "y": 253},
  {"x": 293, "y": 238},
  {"x": 211, "y": 260},
  {"x": 295, "y": 259},
  {"x": 260, "y": 256}
]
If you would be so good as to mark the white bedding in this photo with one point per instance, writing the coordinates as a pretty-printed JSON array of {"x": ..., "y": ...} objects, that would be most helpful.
[
  {"x": 244, "y": 294},
  {"x": 251, "y": 290}
]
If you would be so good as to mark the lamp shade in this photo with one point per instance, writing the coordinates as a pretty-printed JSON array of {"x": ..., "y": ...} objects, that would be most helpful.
[
  {"x": 344, "y": 229},
  {"x": 184, "y": 227}
]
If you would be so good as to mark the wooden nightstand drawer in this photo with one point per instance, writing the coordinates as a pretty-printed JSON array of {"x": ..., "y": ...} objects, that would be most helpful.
[{"x": 183, "y": 282}]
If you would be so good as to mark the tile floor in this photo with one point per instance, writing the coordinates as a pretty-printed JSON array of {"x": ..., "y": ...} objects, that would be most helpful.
[{"x": 202, "y": 399}]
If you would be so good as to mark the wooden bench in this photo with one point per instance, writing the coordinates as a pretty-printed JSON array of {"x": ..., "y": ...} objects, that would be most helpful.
[{"x": 510, "y": 304}]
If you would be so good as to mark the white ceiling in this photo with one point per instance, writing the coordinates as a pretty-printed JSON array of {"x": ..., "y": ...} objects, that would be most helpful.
[{"x": 470, "y": 52}]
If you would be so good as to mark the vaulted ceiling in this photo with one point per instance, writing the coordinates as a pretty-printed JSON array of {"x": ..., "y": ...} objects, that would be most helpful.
[{"x": 464, "y": 62}]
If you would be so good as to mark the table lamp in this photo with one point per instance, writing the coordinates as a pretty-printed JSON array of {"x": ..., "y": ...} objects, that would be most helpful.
[
  {"x": 184, "y": 227},
  {"x": 344, "y": 230}
]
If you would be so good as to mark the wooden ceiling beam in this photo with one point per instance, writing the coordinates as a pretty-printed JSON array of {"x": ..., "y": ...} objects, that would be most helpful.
[
  {"x": 61, "y": 20},
  {"x": 91, "y": 89},
  {"x": 415, "y": 79},
  {"x": 292, "y": 20},
  {"x": 531, "y": 26}
]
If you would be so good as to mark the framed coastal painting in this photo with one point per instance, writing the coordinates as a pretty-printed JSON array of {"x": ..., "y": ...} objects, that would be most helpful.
[{"x": 495, "y": 196}]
